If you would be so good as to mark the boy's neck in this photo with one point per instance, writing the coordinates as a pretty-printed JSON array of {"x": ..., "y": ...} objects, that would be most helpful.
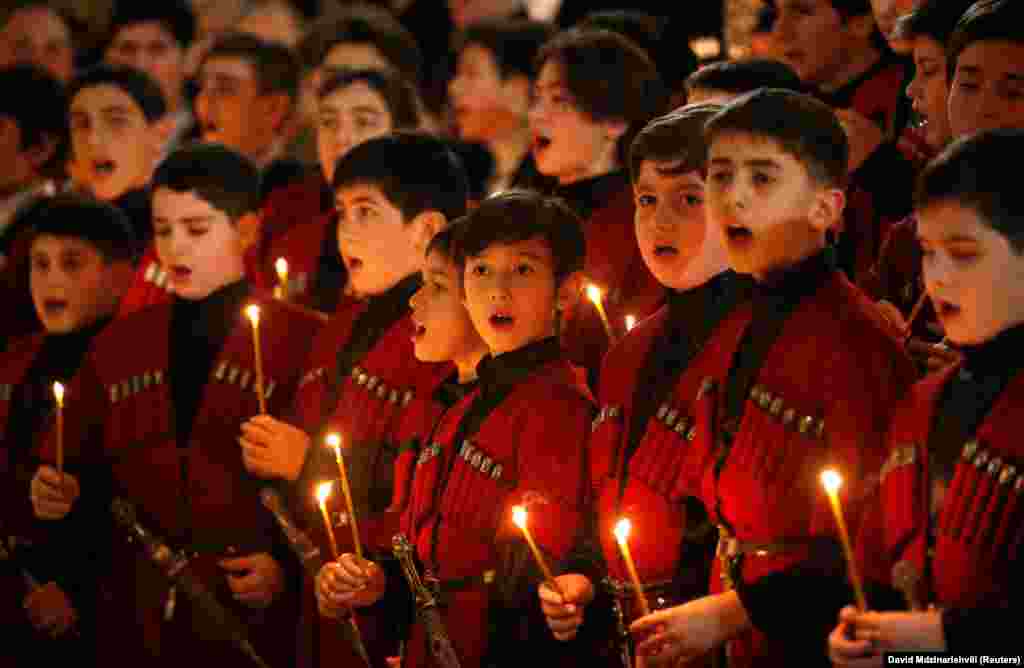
[
  {"x": 857, "y": 65},
  {"x": 466, "y": 364},
  {"x": 778, "y": 274},
  {"x": 271, "y": 153}
]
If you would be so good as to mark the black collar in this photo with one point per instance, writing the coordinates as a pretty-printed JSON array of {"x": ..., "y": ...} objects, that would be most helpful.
[
  {"x": 786, "y": 287},
  {"x": 510, "y": 368},
  {"x": 588, "y": 195},
  {"x": 1000, "y": 356},
  {"x": 213, "y": 316}
]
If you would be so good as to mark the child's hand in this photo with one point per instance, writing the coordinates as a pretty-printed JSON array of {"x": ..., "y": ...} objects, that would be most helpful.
[
  {"x": 255, "y": 580},
  {"x": 564, "y": 615},
  {"x": 845, "y": 649},
  {"x": 53, "y": 494},
  {"x": 273, "y": 449},
  {"x": 50, "y": 610},
  {"x": 349, "y": 581},
  {"x": 690, "y": 630}
]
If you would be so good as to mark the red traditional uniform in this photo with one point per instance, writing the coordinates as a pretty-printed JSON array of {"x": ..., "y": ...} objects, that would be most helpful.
[
  {"x": 517, "y": 439},
  {"x": 949, "y": 511},
  {"x": 150, "y": 285},
  {"x": 802, "y": 378},
  {"x": 613, "y": 263},
  {"x": 165, "y": 430},
  {"x": 363, "y": 378},
  {"x": 27, "y": 372}
]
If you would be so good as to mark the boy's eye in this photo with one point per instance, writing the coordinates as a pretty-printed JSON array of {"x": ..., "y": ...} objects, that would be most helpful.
[
  {"x": 162, "y": 231},
  {"x": 646, "y": 200},
  {"x": 328, "y": 123},
  {"x": 198, "y": 231},
  {"x": 720, "y": 178},
  {"x": 40, "y": 264},
  {"x": 71, "y": 264},
  {"x": 761, "y": 179},
  {"x": 479, "y": 270},
  {"x": 524, "y": 269}
]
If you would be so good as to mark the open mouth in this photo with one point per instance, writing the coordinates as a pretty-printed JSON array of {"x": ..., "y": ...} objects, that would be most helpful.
[
  {"x": 738, "y": 234},
  {"x": 665, "y": 251},
  {"x": 502, "y": 321},
  {"x": 946, "y": 309},
  {"x": 104, "y": 167},
  {"x": 419, "y": 332},
  {"x": 54, "y": 306},
  {"x": 180, "y": 272},
  {"x": 353, "y": 263}
]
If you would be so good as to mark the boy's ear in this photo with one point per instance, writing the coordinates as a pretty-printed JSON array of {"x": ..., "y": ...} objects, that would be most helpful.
[
  {"x": 827, "y": 209},
  {"x": 249, "y": 227},
  {"x": 424, "y": 227},
  {"x": 569, "y": 291}
]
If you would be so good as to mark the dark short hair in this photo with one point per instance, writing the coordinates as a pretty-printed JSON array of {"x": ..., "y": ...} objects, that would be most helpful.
[
  {"x": 801, "y": 125},
  {"x": 36, "y": 101},
  {"x": 398, "y": 94},
  {"x": 669, "y": 49},
  {"x": 479, "y": 163},
  {"x": 521, "y": 215},
  {"x": 363, "y": 24},
  {"x": 12, "y": 7},
  {"x": 675, "y": 137},
  {"x": 444, "y": 241},
  {"x": 513, "y": 44},
  {"x": 77, "y": 216},
  {"x": 984, "y": 21},
  {"x": 609, "y": 77},
  {"x": 138, "y": 85},
  {"x": 414, "y": 171},
  {"x": 932, "y": 18},
  {"x": 224, "y": 178},
  {"x": 972, "y": 172},
  {"x": 850, "y": 8},
  {"x": 175, "y": 15},
  {"x": 277, "y": 70},
  {"x": 743, "y": 76}
]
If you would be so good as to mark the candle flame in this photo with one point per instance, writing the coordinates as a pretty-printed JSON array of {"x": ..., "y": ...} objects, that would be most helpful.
[
  {"x": 281, "y": 267},
  {"x": 323, "y": 491},
  {"x": 831, "y": 480},
  {"x": 253, "y": 313},
  {"x": 630, "y": 322},
  {"x": 519, "y": 516},
  {"x": 334, "y": 441},
  {"x": 594, "y": 293},
  {"x": 622, "y": 529},
  {"x": 58, "y": 393}
]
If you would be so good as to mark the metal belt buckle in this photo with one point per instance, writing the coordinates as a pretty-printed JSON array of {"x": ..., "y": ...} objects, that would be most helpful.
[{"x": 728, "y": 556}]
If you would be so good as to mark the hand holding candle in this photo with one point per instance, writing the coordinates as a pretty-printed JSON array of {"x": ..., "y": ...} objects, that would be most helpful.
[
  {"x": 831, "y": 481},
  {"x": 594, "y": 295},
  {"x": 622, "y": 530},
  {"x": 281, "y": 289},
  {"x": 334, "y": 442},
  {"x": 58, "y": 394},
  {"x": 253, "y": 312},
  {"x": 322, "y": 493},
  {"x": 519, "y": 519},
  {"x": 630, "y": 322}
]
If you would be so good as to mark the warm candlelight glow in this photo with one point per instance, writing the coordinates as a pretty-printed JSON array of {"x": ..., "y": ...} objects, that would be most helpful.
[
  {"x": 253, "y": 313},
  {"x": 594, "y": 293},
  {"x": 519, "y": 516},
  {"x": 323, "y": 491},
  {"x": 831, "y": 481},
  {"x": 622, "y": 529},
  {"x": 281, "y": 266},
  {"x": 58, "y": 393},
  {"x": 334, "y": 441},
  {"x": 630, "y": 322}
]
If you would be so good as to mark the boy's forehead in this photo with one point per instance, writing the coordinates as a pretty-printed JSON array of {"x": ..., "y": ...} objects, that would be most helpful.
[
  {"x": 654, "y": 171},
  {"x": 144, "y": 31},
  {"x": 356, "y": 193},
  {"x": 536, "y": 247},
  {"x": 53, "y": 244},
  {"x": 170, "y": 203},
  {"x": 224, "y": 66},
  {"x": 994, "y": 57},
  {"x": 743, "y": 147},
  {"x": 355, "y": 55},
  {"x": 105, "y": 97}
]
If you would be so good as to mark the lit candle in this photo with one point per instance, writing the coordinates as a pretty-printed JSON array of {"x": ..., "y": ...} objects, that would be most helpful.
[
  {"x": 334, "y": 442},
  {"x": 253, "y": 312},
  {"x": 622, "y": 529},
  {"x": 322, "y": 492},
  {"x": 519, "y": 518},
  {"x": 58, "y": 394},
  {"x": 281, "y": 267},
  {"x": 831, "y": 480},
  {"x": 630, "y": 322},
  {"x": 594, "y": 295}
]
